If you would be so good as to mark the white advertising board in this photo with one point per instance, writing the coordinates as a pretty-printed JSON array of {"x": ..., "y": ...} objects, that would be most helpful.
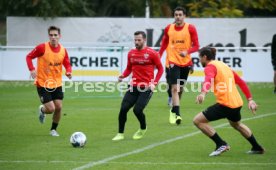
[{"x": 99, "y": 65}]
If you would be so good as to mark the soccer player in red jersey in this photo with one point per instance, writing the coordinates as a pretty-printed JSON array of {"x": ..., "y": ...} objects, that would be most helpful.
[
  {"x": 48, "y": 75},
  {"x": 180, "y": 40},
  {"x": 228, "y": 102},
  {"x": 141, "y": 63}
]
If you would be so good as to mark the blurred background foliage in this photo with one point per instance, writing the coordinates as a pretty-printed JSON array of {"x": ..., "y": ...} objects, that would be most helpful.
[
  {"x": 133, "y": 8},
  {"x": 136, "y": 8}
]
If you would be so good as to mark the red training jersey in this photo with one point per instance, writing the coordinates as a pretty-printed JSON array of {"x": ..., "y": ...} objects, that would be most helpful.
[{"x": 142, "y": 64}]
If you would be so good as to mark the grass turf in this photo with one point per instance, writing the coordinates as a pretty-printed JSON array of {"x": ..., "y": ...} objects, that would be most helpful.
[{"x": 26, "y": 144}]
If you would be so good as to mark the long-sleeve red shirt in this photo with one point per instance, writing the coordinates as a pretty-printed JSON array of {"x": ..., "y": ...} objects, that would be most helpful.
[
  {"x": 211, "y": 72},
  {"x": 193, "y": 34},
  {"x": 142, "y": 64},
  {"x": 39, "y": 51}
]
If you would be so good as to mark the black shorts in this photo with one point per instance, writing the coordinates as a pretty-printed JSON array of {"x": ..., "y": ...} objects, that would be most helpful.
[
  {"x": 178, "y": 75},
  {"x": 46, "y": 95},
  {"x": 167, "y": 71},
  {"x": 274, "y": 64},
  {"x": 218, "y": 111},
  {"x": 137, "y": 97}
]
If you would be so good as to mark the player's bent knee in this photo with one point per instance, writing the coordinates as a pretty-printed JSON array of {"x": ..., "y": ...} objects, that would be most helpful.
[
  {"x": 50, "y": 109},
  {"x": 137, "y": 110},
  {"x": 175, "y": 90},
  {"x": 57, "y": 109},
  {"x": 196, "y": 120},
  {"x": 199, "y": 118},
  {"x": 124, "y": 108},
  {"x": 236, "y": 125}
]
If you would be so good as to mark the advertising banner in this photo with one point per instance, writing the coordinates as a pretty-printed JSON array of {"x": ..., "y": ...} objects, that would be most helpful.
[
  {"x": 106, "y": 64},
  {"x": 98, "y": 47}
]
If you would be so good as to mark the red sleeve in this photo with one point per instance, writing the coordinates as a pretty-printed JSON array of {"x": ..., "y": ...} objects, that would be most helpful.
[
  {"x": 128, "y": 69},
  {"x": 66, "y": 63},
  {"x": 165, "y": 41},
  {"x": 159, "y": 67},
  {"x": 36, "y": 52},
  {"x": 194, "y": 39},
  {"x": 210, "y": 73},
  {"x": 242, "y": 85}
]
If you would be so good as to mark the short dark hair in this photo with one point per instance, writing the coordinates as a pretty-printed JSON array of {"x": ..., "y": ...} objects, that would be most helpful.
[
  {"x": 179, "y": 8},
  {"x": 142, "y": 33},
  {"x": 54, "y": 28},
  {"x": 210, "y": 53}
]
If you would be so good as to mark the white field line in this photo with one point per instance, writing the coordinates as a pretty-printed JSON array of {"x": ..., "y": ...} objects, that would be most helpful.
[
  {"x": 38, "y": 161},
  {"x": 195, "y": 163},
  {"x": 108, "y": 159},
  {"x": 150, "y": 163}
]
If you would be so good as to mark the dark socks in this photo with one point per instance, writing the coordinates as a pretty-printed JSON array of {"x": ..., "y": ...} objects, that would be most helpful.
[
  {"x": 254, "y": 143},
  {"x": 54, "y": 126},
  {"x": 216, "y": 138},
  {"x": 175, "y": 109}
]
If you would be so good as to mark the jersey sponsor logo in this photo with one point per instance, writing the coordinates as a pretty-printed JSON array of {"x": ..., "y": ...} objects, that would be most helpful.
[
  {"x": 139, "y": 61},
  {"x": 180, "y": 41},
  {"x": 54, "y": 64}
]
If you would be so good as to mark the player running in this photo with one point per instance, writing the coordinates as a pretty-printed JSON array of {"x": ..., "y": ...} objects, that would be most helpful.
[
  {"x": 229, "y": 102},
  {"x": 180, "y": 40},
  {"x": 141, "y": 63},
  {"x": 48, "y": 76}
]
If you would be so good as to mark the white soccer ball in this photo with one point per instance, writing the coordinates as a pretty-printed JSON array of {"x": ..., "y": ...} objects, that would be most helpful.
[{"x": 78, "y": 139}]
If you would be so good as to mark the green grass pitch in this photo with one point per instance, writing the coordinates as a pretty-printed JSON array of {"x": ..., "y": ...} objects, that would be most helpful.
[{"x": 25, "y": 144}]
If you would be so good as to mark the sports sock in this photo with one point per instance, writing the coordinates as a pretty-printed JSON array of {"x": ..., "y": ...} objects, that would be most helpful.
[
  {"x": 254, "y": 143},
  {"x": 42, "y": 110},
  {"x": 54, "y": 126},
  {"x": 216, "y": 138},
  {"x": 175, "y": 109}
]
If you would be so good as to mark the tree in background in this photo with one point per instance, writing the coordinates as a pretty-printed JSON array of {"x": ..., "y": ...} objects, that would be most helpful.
[
  {"x": 119, "y": 8},
  {"x": 46, "y": 8},
  {"x": 230, "y": 8},
  {"x": 135, "y": 8},
  {"x": 132, "y": 8}
]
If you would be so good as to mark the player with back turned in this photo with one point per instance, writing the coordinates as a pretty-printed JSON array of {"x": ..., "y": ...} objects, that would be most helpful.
[{"x": 228, "y": 102}]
